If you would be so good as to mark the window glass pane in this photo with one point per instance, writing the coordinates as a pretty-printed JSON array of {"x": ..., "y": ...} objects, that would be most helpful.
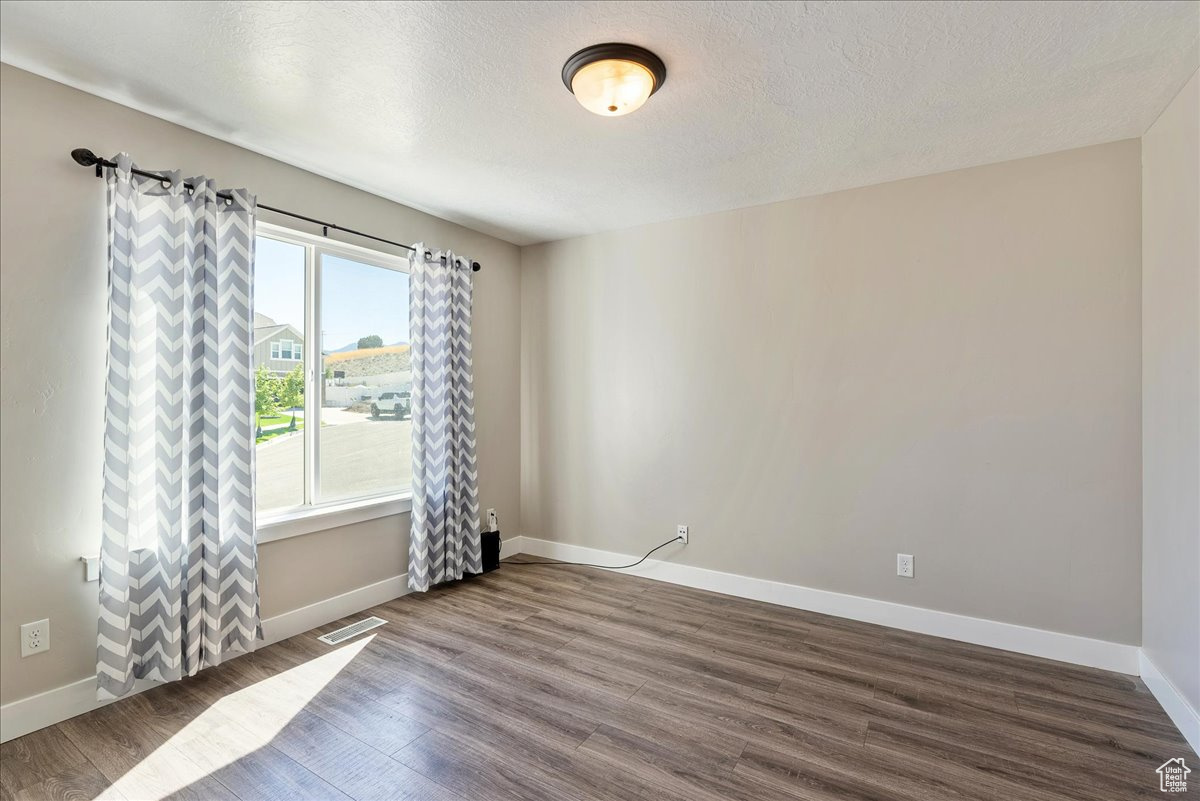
[
  {"x": 279, "y": 381},
  {"x": 365, "y": 438}
]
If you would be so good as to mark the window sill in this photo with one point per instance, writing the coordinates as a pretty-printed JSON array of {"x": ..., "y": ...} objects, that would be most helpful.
[
  {"x": 319, "y": 518},
  {"x": 303, "y": 521}
]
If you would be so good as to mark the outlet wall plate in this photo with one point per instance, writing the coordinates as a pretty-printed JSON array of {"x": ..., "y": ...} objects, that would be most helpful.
[
  {"x": 682, "y": 532},
  {"x": 35, "y": 637},
  {"x": 904, "y": 565},
  {"x": 91, "y": 568}
]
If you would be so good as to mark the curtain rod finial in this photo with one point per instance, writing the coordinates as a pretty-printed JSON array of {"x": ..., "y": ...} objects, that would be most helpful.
[
  {"x": 84, "y": 156},
  {"x": 474, "y": 266}
]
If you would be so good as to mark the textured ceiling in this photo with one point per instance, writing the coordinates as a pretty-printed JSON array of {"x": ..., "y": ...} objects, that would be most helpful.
[{"x": 458, "y": 109}]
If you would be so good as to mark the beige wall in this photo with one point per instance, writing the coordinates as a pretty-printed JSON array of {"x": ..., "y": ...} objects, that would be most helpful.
[
  {"x": 1171, "y": 392},
  {"x": 52, "y": 350},
  {"x": 947, "y": 366}
]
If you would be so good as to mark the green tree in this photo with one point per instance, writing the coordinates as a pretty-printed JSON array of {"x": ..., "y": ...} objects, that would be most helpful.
[
  {"x": 373, "y": 341},
  {"x": 266, "y": 394},
  {"x": 291, "y": 392}
]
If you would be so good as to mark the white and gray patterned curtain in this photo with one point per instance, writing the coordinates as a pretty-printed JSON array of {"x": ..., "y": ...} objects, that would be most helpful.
[
  {"x": 445, "y": 540},
  {"x": 178, "y": 574}
]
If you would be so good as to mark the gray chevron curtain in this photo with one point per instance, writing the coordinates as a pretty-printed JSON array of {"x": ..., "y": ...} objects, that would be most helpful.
[
  {"x": 445, "y": 541},
  {"x": 178, "y": 574}
]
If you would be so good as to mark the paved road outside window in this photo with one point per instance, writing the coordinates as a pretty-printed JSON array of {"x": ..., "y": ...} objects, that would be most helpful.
[{"x": 359, "y": 456}]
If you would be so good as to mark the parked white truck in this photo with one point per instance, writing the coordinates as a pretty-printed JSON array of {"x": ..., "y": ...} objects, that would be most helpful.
[{"x": 397, "y": 404}]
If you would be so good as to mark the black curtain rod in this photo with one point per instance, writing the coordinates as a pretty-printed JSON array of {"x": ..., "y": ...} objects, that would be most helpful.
[{"x": 87, "y": 158}]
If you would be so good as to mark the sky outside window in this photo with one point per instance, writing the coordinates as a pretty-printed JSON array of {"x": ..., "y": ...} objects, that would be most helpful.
[{"x": 357, "y": 299}]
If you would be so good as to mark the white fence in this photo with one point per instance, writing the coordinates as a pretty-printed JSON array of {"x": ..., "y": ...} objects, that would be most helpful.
[{"x": 341, "y": 397}]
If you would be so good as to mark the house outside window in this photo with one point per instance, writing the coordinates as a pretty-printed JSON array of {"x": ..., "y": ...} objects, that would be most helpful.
[{"x": 277, "y": 345}]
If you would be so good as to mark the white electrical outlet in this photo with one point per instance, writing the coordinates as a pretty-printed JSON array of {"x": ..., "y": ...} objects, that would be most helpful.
[
  {"x": 904, "y": 565},
  {"x": 35, "y": 638},
  {"x": 682, "y": 533},
  {"x": 493, "y": 522}
]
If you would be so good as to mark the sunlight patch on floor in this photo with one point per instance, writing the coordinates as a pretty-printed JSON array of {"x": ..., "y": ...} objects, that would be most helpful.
[{"x": 234, "y": 727}]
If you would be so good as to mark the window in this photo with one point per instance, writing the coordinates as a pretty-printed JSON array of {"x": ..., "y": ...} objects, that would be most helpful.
[
  {"x": 334, "y": 427},
  {"x": 287, "y": 350}
]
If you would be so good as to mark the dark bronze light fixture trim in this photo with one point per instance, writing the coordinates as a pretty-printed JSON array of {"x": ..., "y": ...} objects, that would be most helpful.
[{"x": 619, "y": 51}]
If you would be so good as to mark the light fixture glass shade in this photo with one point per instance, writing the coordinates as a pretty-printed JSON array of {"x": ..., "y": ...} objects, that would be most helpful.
[{"x": 612, "y": 87}]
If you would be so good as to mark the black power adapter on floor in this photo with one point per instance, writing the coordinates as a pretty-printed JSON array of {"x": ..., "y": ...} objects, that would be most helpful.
[{"x": 491, "y": 550}]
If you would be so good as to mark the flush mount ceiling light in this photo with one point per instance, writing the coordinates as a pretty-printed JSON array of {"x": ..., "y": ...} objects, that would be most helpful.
[{"x": 613, "y": 79}]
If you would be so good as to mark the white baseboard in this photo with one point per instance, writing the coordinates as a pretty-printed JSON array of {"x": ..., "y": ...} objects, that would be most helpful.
[
  {"x": 511, "y": 546},
  {"x": 979, "y": 631},
  {"x": 1181, "y": 713},
  {"x": 298, "y": 621},
  {"x": 45, "y": 709}
]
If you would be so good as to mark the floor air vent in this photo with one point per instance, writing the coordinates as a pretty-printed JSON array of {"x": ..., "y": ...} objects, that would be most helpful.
[{"x": 353, "y": 630}]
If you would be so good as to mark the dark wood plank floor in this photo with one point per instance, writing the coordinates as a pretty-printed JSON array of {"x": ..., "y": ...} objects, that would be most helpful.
[{"x": 539, "y": 682}]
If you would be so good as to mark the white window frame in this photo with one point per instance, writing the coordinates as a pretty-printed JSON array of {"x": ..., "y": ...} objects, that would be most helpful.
[
  {"x": 276, "y": 350},
  {"x": 310, "y": 516}
]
